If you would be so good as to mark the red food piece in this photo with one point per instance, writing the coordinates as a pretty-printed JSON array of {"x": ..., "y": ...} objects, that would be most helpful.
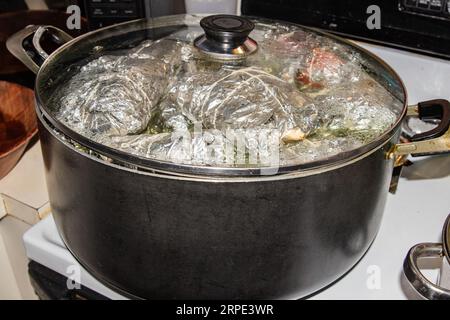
[{"x": 321, "y": 60}]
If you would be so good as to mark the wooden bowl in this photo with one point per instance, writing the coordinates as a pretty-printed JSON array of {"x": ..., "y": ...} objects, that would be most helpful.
[{"x": 17, "y": 123}]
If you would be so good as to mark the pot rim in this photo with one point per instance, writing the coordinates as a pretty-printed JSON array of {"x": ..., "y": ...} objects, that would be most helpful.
[{"x": 329, "y": 163}]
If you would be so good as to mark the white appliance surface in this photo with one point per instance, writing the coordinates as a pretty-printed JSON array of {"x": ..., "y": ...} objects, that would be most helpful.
[{"x": 416, "y": 213}]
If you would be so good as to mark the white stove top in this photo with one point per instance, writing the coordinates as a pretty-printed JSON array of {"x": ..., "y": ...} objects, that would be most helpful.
[{"x": 416, "y": 213}]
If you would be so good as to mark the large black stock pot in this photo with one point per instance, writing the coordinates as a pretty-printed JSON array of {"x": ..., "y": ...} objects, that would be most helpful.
[{"x": 151, "y": 228}]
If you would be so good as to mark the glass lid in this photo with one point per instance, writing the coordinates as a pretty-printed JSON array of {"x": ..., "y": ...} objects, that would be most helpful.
[{"x": 220, "y": 94}]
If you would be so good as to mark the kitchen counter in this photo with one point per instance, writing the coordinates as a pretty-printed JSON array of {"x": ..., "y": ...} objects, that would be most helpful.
[{"x": 26, "y": 182}]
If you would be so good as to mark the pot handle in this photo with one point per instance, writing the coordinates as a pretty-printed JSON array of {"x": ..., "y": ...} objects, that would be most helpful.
[
  {"x": 435, "y": 141},
  {"x": 31, "y": 52},
  {"x": 421, "y": 284}
]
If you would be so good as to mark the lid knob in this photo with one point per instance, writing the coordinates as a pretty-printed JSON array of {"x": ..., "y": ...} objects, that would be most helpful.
[
  {"x": 227, "y": 29},
  {"x": 226, "y": 37}
]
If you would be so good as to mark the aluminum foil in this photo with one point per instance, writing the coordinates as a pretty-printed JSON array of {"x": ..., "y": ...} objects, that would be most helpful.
[
  {"x": 116, "y": 94},
  {"x": 302, "y": 97}
]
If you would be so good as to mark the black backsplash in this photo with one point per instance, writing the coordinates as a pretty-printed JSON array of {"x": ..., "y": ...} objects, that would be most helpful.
[{"x": 417, "y": 25}]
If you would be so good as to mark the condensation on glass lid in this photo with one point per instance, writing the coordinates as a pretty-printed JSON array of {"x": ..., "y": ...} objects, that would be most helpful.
[{"x": 300, "y": 98}]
